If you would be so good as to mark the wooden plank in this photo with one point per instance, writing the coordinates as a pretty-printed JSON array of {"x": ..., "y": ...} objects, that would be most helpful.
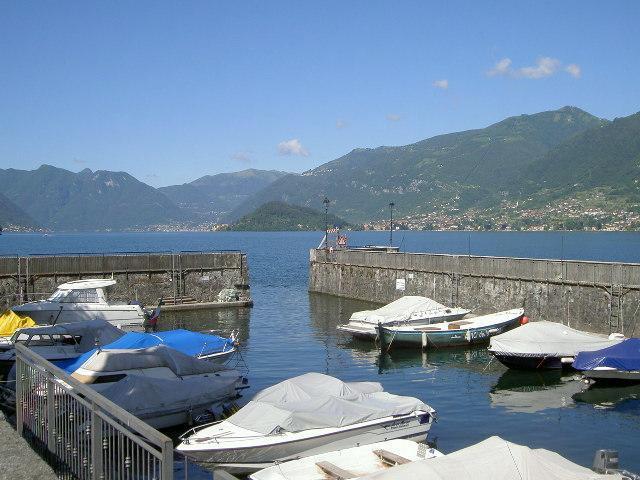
[
  {"x": 391, "y": 458},
  {"x": 334, "y": 471}
]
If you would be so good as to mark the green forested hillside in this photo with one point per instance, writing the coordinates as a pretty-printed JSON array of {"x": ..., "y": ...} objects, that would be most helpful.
[
  {"x": 475, "y": 168},
  {"x": 608, "y": 157},
  {"x": 280, "y": 216}
]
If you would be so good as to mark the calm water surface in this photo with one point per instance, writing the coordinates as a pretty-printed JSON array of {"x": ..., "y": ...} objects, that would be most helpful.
[{"x": 289, "y": 332}]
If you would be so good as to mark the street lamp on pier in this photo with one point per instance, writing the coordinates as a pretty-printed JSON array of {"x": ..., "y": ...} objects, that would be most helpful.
[
  {"x": 326, "y": 203},
  {"x": 391, "y": 205}
]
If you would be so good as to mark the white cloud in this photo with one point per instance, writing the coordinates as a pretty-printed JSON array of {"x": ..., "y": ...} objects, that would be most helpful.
[
  {"x": 292, "y": 147},
  {"x": 341, "y": 124},
  {"x": 79, "y": 161},
  {"x": 502, "y": 67},
  {"x": 241, "y": 157},
  {"x": 544, "y": 67},
  {"x": 443, "y": 84},
  {"x": 574, "y": 70},
  {"x": 393, "y": 117}
]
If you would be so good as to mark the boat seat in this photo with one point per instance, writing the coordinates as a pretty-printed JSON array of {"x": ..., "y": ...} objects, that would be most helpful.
[
  {"x": 333, "y": 471},
  {"x": 432, "y": 329},
  {"x": 391, "y": 458}
]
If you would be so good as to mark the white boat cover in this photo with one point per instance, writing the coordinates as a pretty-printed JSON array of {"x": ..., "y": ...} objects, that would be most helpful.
[
  {"x": 160, "y": 356},
  {"x": 400, "y": 310},
  {"x": 315, "y": 400},
  {"x": 148, "y": 397},
  {"x": 91, "y": 332},
  {"x": 492, "y": 459},
  {"x": 550, "y": 339}
]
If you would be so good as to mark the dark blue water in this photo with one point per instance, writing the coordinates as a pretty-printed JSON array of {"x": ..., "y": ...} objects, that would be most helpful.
[{"x": 289, "y": 332}]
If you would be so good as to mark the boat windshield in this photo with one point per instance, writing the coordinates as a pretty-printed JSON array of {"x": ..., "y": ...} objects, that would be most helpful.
[{"x": 88, "y": 295}]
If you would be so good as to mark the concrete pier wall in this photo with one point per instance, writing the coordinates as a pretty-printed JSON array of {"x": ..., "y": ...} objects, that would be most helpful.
[
  {"x": 142, "y": 276},
  {"x": 592, "y": 296}
]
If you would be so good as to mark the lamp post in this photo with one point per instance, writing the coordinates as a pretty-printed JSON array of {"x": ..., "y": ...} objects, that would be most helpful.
[
  {"x": 326, "y": 202},
  {"x": 391, "y": 205}
]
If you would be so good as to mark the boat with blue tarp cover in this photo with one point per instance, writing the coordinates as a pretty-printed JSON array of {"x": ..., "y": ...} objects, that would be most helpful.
[
  {"x": 619, "y": 363},
  {"x": 200, "y": 345}
]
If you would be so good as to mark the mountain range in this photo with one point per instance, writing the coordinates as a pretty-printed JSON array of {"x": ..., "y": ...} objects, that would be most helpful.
[
  {"x": 535, "y": 160},
  {"x": 212, "y": 197}
]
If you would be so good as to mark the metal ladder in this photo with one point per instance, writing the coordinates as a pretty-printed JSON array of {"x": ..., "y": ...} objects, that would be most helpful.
[{"x": 615, "y": 307}]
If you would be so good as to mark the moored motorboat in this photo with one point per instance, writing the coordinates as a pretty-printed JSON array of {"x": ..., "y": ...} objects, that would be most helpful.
[
  {"x": 450, "y": 334},
  {"x": 105, "y": 367},
  {"x": 83, "y": 300},
  {"x": 407, "y": 310},
  {"x": 199, "y": 345},
  {"x": 547, "y": 345},
  {"x": 619, "y": 363},
  {"x": 62, "y": 342},
  {"x": 169, "y": 402},
  {"x": 306, "y": 415},
  {"x": 352, "y": 462}
]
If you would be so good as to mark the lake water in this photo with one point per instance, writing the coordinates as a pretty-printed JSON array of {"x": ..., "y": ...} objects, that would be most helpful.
[{"x": 289, "y": 332}]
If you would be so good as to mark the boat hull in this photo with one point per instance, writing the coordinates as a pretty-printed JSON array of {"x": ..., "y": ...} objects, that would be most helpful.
[
  {"x": 611, "y": 376},
  {"x": 533, "y": 363},
  {"x": 249, "y": 459},
  {"x": 369, "y": 330},
  {"x": 445, "y": 338}
]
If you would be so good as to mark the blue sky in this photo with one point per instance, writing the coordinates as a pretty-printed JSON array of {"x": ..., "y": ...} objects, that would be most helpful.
[{"x": 170, "y": 91}]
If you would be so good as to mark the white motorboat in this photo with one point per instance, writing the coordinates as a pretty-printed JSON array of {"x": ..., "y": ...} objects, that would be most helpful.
[
  {"x": 306, "y": 415},
  {"x": 83, "y": 300},
  {"x": 61, "y": 342},
  {"x": 350, "y": 462},
  {"x": 410, "y": 310},
  {"x": 105, "y": 367}
]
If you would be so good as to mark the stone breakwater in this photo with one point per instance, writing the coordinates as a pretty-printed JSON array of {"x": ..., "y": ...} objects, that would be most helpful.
[
  {"x": 194, "y": 276},
  {"x": 593, "y": 296}
]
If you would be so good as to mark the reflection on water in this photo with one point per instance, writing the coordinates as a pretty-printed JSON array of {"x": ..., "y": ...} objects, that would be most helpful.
[
  {"x": 534, "y": 391},
  {"x": 221, "y": 321},
  {"x": 625, "y": 399}
]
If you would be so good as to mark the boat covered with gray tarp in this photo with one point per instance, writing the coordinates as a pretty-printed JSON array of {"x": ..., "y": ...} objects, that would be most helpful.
[
  {"x": 546, "y": 345},
  {"x": 307, "y": 415},
  {"x": 493, "y": 458}
]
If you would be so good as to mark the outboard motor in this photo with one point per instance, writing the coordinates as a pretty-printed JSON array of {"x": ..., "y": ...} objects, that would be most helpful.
[
  {"x": 608, "y": 462},
  {"x": 605, "y": 461}
]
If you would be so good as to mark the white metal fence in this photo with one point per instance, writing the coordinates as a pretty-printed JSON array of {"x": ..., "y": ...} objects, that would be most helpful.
[{"x": 80, "y": 432}]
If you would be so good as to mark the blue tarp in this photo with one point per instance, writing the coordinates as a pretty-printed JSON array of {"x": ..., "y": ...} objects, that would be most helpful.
[
  {"x": 624, "y": 356},
  {"x": 190, "y": 343}
]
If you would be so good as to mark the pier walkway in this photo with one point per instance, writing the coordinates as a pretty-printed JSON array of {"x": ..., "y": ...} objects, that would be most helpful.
[{"x": 18, "y": 461}]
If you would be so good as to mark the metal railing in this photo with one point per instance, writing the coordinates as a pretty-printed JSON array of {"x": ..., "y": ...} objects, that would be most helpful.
[{"x": 81, "y": 433}]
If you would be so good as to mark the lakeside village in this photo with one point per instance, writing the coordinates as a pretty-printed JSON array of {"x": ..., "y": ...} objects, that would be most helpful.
[{"x": 565, "y": 215}]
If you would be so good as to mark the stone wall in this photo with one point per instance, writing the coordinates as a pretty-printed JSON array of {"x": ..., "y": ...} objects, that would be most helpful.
[
  {"x": 143, "y": 276},
  {"x": 592, "y": 296}
]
